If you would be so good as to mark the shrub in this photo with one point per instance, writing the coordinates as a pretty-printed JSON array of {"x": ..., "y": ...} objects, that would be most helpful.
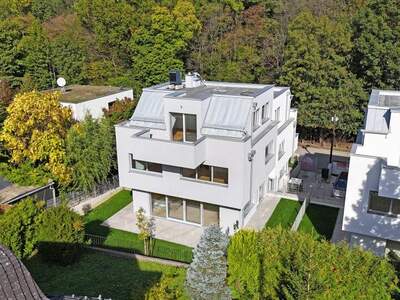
[
  {"x": 292, "y": 265},
  {"x": 244, "y": 274},
  {"x": 60, "y": 233},
  {"x": 17, "y": 227},
  {"x": 170, "y": 286}
]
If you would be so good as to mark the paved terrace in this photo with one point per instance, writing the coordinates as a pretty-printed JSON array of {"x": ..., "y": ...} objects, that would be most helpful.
[{"x": 176, "y": 232}]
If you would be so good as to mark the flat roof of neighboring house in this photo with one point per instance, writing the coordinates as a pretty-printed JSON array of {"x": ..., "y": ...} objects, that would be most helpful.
[
  {"x": 211, "y": 88},
  {"x": 385, "y": 98},
  {"x": 9, "y": 190},
  {"x": 81, "y": 93}
]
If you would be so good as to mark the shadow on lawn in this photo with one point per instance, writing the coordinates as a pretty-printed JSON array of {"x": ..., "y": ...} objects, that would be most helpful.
[
  {"x": 95, "y": 274},
  {"x": 322, "y": 220}
]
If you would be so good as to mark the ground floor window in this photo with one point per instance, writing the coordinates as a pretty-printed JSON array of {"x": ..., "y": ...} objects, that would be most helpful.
[
  {"x": 158, "y": 205},
  {"x": 210, "y": 214},
  {"x": 185, "y": 210},
  {"x": 175, "y": 208},
  {"x": 193, "y": 211}
]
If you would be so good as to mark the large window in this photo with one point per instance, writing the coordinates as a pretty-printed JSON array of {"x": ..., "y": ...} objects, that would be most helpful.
[
  {"x": 383, "y": 205},
  {"x": 193, "y": 211},
  {"x": 207, "y": 173},
  {"x": 210, "y": 214},
  {"x": 184, "y": 127},
  {"x": 175, "y": 208},
  {"x": 145, "y": 165},
  {"x": 158, "y": 205},
  {"x": 184, "y": 210}
]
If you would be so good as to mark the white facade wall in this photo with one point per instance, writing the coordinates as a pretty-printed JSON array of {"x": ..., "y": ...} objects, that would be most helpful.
[
  {"x": 378, "y": 150},
  {"x": 95, "y": 107},
  {"x": 245, "y": 176}
]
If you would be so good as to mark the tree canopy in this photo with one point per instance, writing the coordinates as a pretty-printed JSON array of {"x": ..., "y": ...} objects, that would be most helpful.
[
  {"x": 34, "y": 131},
  {"x": 331, "y": 53}
]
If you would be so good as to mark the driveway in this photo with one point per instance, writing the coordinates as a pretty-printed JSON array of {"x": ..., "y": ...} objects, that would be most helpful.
[{"x": 168, "y": 230}]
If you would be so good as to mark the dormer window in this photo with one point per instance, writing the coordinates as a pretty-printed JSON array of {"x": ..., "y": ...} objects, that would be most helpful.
[{"x": 184, "y": 127}]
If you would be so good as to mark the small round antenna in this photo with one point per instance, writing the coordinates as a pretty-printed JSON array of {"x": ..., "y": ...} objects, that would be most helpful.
[{"x": 61, "y": 82}]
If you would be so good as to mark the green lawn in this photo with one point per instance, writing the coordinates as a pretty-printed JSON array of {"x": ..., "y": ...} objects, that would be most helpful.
[
  {"x": 98, "y": 273},
  {"x": 284, "y": 214},
  {"x": 319, "y": 221},
  {"x": 128, "y": 241}
]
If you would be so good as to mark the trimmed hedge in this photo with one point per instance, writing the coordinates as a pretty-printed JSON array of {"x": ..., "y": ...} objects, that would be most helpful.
[{"x": 60, "y": 233}]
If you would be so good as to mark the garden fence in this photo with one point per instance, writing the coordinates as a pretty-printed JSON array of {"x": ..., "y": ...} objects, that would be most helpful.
[
  {"x": 300, "y": 214},
  {"x": 74, "y": 198},
  {"x": 129, "y": 246}
]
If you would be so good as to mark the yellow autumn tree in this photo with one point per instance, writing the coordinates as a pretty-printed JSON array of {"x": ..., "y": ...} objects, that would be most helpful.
[{"x": 34, "y": 131}]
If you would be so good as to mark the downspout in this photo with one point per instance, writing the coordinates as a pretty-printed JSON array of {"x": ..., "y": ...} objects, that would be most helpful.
[{"x": 251, "y": 154}]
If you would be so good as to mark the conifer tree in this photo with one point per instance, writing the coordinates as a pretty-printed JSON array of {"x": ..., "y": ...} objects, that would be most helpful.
[{"x": 206, "y": 276}]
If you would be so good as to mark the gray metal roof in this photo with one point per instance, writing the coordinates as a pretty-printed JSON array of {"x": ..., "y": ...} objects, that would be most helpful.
[
  {"x": 385, "y": 98},
  {"x": 227, "y": 116},
  {"x": 15, "y": 280},
  {"x": 150, "y": 110}
]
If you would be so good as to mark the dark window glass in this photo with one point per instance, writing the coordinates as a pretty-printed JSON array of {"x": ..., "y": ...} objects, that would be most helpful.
[
  {"x": 396, "y": 206},
  {"x": 190, "y": 173},
  {"x": 153, "y": 167},
  {"x": 378, "y": 204},
  {"x": 220, "y": 175},
  {"x": 204, "y": 172}
]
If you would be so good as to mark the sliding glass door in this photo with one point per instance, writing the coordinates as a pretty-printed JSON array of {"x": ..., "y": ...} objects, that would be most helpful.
[{"x": 184, "y": 210}]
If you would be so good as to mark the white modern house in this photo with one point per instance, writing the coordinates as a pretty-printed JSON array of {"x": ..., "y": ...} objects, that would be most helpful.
[
  {"x": 83, "y": 99},
  {"x": 372, "y": 205},
  {"x": 204, "y": 152}
]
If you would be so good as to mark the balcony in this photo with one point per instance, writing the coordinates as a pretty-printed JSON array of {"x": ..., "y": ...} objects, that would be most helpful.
[{"x": 167, "y": 152}]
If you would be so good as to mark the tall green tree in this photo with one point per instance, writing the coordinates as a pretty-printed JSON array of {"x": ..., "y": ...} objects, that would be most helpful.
[
  {"x": 36, "y": 57},
  {"x": 110, "y": 23},
  {"x": 160, "y": 44},
  {"x": 376, "y": 52},
  {"x": 317, "y": 70},
  {"x": 12, "y": 31},
  {"x": 89, "y": 152}
]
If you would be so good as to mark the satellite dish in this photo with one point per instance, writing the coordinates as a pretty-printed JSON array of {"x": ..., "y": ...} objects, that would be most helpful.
[{"x": 61, "y": 82}]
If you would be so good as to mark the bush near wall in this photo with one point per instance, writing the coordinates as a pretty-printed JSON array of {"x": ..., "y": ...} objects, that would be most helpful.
[
  {"x": 60, "y": 234},
  {"x": 17, "y": 227},
  {"x": 280, "y": 264}
]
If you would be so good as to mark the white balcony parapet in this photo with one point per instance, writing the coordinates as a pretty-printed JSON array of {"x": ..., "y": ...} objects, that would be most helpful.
[{"x": 167, "y": 152}]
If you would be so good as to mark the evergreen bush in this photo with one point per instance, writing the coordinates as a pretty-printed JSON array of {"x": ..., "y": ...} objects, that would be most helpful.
[
  {"x": 17, "y": 227},
  {"x": 60, "y": 234},
  {"x": 206, "y": 276},
  {"x": 292, "y": 265}
]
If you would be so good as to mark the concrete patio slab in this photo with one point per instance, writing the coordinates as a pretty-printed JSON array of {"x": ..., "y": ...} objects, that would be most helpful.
[
  {"x": 263, "y": 212},
  {"x": 168, "y": 230}
]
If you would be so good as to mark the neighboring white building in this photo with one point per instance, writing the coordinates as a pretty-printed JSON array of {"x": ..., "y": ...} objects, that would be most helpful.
[
  {"x": 206, "y": 152},
  {"x": 372, "y": 205},
  {"x": 83, "y": 99}
]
